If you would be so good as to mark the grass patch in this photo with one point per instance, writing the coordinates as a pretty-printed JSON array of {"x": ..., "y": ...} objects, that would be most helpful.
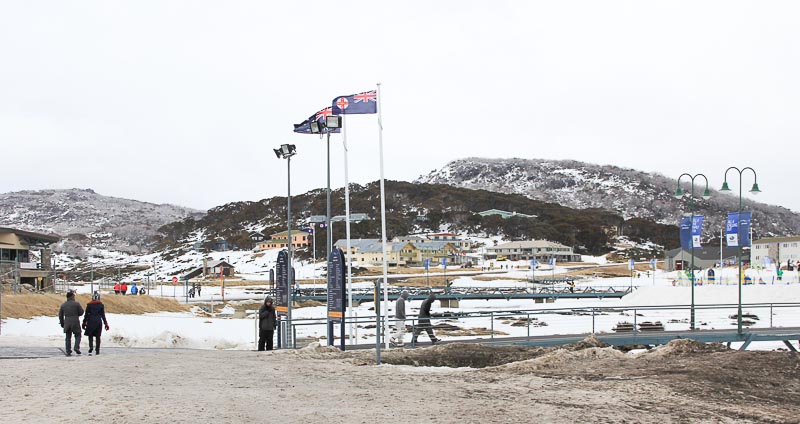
[{"x": 27, "y": 306}]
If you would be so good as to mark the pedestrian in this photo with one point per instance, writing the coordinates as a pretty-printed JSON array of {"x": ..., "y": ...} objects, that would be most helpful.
[
  {"x": 69, "y": 316},
  {"x": 267, "y": 323},
  {"x": 116, "y": 288},
  {"x": 93, "y": 321},
  {"x": 191, "y": 292},
  {"x": 425, "y": 320},
  {"x": 400, "y": 319},
  {"x": 134, "y": 289},
  {"x": 199, "y": 286},
  {"x": 123, "y": 288},
  {"x": 571, "y": 286}
]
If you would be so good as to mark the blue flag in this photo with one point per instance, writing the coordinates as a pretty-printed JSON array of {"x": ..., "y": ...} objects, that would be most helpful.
[
  {"x": 366, "y": 102},
  {"x": 737, "y": 229},
  {"x": 305, "y": 126}
]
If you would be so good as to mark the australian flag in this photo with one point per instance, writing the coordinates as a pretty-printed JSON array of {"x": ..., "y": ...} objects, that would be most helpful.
[
  {"x": 366, "y": 102},
  {"x": 305, "y": 126}
]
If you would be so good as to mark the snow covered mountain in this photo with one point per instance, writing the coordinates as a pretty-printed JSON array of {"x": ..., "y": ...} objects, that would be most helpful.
[
  {"x": 85, "y": 218},
  {"x": 628, "y": 192}
]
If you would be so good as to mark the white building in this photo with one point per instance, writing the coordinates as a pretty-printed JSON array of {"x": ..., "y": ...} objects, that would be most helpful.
[
  {"x": 778, "y": 249},
  {"x": 542, "y": 250}
]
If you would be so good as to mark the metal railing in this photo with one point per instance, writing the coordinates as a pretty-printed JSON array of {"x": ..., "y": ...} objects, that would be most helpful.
[{"x": 565, "y": 321}]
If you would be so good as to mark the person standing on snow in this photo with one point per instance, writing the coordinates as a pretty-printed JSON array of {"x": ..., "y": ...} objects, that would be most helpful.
[
  {"x": 425, "y": 320},
  {"x": 267, "y": 323},
  {"x": 69, "y": 316},
  {"x": 93, "y": 321},
  {"x": 400, "y": 317}
]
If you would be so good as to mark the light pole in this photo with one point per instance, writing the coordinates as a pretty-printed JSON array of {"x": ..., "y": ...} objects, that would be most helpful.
[
  {"x": 753, "y": 190},
  {"x": 326, "y": 126},
  {"x": 706, "y": 195},
  {"x": 286, "y": 151}
]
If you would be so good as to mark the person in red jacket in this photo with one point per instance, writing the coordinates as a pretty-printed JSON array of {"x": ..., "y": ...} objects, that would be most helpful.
[
  {"x": 123, "y": 288},
  {"x": 116, "y": 288}
]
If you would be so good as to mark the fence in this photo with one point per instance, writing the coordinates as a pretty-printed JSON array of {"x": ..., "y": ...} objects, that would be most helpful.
[{"x": 495, "y": 325}]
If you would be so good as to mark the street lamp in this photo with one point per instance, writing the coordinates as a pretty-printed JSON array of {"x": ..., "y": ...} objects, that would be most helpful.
[
  {"x": 754, "y": 190},
  {"x": 330, "y": 123},
  {"x": 706, "y": 195},
  {"x": 286, "y": 151}
]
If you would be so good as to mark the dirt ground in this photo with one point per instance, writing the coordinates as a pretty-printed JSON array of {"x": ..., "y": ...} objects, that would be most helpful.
[{"x": 683, "y": 381}]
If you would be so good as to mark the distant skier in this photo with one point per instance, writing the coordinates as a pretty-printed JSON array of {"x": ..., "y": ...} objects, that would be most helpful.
[
  {"x": 400, "y": 319},
  {"x": 69, "y": 316},
  {"x": 199, "y": 286},
  {"x": 267, "y": 323},
  {"x": 425, "y": 320},
  {"x": 93, "y": 321}
]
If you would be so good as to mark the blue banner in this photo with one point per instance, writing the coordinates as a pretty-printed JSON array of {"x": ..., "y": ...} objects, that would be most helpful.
[
  {"x": 697, "y": 230},
  {"x": 686, "y": 232},
  {"x": 737, "y": 229},
  {"x": 426, "y": 263}
]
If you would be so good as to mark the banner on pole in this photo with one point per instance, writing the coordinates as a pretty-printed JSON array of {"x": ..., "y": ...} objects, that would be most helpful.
[
  {"x": 737, "y": 229},
  {"x": 686, "y": 232},
  {"x": 631, "y": 264},
  {"x": 697, "y": 230}
]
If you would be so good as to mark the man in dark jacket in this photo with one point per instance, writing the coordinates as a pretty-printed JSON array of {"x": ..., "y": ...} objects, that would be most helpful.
[
  {"x": 93, "y": 322},
  {"x": 400, "y": 319},
  {"x": 425, "y": 321},
  {"x": 69, "y": 316},
  {"x": 267, "y": 323}
]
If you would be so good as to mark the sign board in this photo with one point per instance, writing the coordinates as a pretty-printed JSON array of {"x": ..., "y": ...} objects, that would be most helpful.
[
  {"x": 282, "y": 283},
  {"x": 444, "y": 263},
  {"x": 426, "y": 263},
  {"x": 336, "y": 285}
]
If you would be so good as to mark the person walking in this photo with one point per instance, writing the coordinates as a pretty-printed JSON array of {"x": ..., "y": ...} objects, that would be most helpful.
[
  {"x": 134, "y": 289},
  {"x": 199, "y": 287},
  {"x": 69, "y": 316},
  {"x": 267, "y": 323},
  {"x": 93, "y": 321},
  {"x": 425, "y": 320},
  {"x": 400, "y": 320},
  {"x": 123, "y": 288}
]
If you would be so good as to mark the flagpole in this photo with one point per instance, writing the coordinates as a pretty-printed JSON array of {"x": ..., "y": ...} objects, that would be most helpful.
[
  {"x": 347, "y": 226},
  {"x": 383, "y": 227}
]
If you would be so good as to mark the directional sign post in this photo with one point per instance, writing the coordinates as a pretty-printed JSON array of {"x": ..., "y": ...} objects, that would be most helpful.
[
  {"x": 336, "y": 294},
  {"x": 282, "y": 293}
]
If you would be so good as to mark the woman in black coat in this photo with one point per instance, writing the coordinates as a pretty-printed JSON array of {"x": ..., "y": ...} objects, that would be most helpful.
[
  {"x": 267, "y": 322},
  {"x": 93, "y": 320}
]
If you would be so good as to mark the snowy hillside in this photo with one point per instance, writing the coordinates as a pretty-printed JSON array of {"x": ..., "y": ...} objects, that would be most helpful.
[
  {"x": 88, "y": 218},
  {"x": 583, "y": 185}
]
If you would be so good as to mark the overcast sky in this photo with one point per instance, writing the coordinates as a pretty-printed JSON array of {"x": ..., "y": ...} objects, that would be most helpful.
[{"x": 183, "y": 101}]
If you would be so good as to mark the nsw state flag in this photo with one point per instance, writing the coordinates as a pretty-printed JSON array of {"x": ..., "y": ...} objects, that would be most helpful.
[{"x": 361, "y": 103}]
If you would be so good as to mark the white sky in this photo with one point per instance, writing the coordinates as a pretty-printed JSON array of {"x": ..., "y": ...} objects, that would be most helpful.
[{"x": 183, "y": 101}]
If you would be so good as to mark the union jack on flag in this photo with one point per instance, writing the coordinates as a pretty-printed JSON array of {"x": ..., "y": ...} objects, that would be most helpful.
[
  {"x": 305, "y": 126},
  {"x": 361, "y": 103}
]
